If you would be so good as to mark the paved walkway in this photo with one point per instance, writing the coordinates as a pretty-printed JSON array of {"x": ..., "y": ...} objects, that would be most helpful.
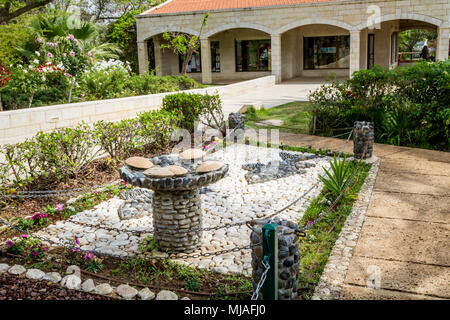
[
  {"x": 285, "y": 92},
  {"x": 406, "y": 232}
]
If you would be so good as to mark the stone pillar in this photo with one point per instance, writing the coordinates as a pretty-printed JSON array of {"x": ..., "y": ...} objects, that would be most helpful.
[
  {"x": 206, "y": 61},
  {"x": 142, "y": 56},
  {"x": 275, "y": 44},
  {"x": 288, "y": 257},
  {"x": 363, "y": 137},
  {"x": 236, "y": 120},
  {"x": 158, "y": 56},
  {"x": 355, "y": 55},
  {"x": 442, "y": 44},
  {"x": 175, "y": 213}
]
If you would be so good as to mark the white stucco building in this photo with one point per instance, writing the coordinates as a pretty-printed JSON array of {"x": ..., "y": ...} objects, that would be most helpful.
[{"x": 246, "y": 39}]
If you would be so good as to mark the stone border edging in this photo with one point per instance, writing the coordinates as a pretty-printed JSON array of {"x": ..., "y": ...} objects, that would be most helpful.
[
  {"x": 73, "y": 281},
  {"x": 335, "y": 271}
]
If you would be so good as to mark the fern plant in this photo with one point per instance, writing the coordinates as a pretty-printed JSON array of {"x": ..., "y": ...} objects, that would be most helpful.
[{"x": 337, "y": 178}]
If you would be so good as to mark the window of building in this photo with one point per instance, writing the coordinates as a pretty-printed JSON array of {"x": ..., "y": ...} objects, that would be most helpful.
[
  {"x": 331, "y": 52},
  {"x": 253, "y": 55},
  {"x": 195, "y": 64},
  {"x": 215, "y": 56}
]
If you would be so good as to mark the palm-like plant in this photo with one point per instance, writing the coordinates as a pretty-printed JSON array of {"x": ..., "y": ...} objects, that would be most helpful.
[
  {"x": 336, "y": 181},
  {"x": 57, "y": 26}
]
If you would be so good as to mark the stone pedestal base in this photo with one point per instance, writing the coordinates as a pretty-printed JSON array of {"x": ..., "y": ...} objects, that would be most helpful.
[
  {"x": 363, "y": 139},
  {"x": 174, "y": 213},
  {"x": 288, "y": 257}
]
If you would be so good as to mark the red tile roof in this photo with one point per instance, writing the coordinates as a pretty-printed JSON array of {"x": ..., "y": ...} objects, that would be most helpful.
[{"x": 179, "y": 6}]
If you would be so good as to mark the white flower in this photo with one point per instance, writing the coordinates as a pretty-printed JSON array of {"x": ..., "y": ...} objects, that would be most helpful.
[
  {"x": 36, "y": 61},
  {"x": 37, "y": 53},
  {"x": 25, "y": 71}
]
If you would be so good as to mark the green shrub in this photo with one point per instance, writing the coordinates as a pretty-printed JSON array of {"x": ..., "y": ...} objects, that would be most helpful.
[
  {"x": 21, "y": 167},
  {"x": 105, "y": 80},
  {"x": 409, "y": 106},
  {"x": 188, "y": 105},
  {"x": 66, "y": 152},
  {"x": 118, "y": 139},
  {"x": 156, "y": 127}
]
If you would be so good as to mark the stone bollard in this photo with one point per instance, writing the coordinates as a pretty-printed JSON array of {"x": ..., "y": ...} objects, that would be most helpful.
[
  {"x": 288, "y": 257},
  {"x": 236, "y": 121},
  {"x": 363, "y": 135}
]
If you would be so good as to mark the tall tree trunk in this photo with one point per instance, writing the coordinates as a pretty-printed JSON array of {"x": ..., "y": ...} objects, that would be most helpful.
[
  {"x": 70, "y": 90},
  {"x": 187, "y": 58},
  {"x": 30, "y": 100}
]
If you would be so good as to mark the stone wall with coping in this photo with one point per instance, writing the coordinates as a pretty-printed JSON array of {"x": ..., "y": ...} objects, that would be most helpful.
[{"x": 17, "y": 125}]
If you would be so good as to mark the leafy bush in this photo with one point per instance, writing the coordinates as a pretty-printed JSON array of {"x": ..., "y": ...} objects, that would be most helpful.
[
  {"x": 409, "y": 106},
  {"x": 156, "y": 127},
  {"x": 118, "y": 139},
  {"x": 188, "y": 105},
  {"x": 212, "y": 113},
  {"x": 191, "y": 106},
  {"x": 66, "y": 152},
  {"x": 105, "y": 80},
  {"x": 47, "y": 157}
]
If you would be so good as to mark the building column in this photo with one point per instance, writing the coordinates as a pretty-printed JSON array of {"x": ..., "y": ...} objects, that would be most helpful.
[
  {"x": 206, "y": 61},
  {"x": 158, "y": 56},
  {"x": 275, "y": 44},
  {"x": 142, "y": 56},
  {"x": 442, "y": 43},
  {"x": 355, "y": 55}
]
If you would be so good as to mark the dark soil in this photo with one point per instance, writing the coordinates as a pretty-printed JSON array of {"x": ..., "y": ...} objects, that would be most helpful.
[{"x": 15, "y": 288}]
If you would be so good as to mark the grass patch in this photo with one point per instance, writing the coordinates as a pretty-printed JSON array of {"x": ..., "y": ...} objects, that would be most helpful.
[
  {"x": 294, "y": 116},
  {"x": 320, "y": 239}
]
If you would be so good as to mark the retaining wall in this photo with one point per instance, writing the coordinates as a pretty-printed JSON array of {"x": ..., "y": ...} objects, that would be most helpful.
[{"x": 16, "y": 125}]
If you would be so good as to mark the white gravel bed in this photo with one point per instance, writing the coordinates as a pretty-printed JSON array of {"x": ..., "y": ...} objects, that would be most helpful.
[{"x": 228, "y": 201}]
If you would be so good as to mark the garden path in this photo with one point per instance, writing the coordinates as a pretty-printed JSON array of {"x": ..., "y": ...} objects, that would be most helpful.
[
  {"x": 288, "y": 91},
  {"x": 407, "y": 226}
]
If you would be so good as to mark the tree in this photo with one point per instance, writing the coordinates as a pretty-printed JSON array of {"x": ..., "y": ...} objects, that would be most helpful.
[
  {"x": 410, "y": 38},
  {"x": 184, "y": 44},
  {"x": 11, "y": 9},
  {"x": 123, "y": 33},
  {"x": 56, "y": 26}
]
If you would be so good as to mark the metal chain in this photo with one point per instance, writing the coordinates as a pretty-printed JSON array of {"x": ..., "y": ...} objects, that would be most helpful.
[
  {"x": 52, "y": 193},
  {"x": 171, "y": 256},
  {"x": 266, "y": 266}
]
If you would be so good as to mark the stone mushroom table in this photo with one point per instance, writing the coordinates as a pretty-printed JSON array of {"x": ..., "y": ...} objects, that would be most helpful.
[{"x": 175, "y": 180}]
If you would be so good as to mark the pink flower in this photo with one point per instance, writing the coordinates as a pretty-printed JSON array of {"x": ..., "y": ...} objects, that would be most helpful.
[
  {"x": 68, "y": 75},
  {"x": 50, "y": 55},
  {"x": 59, "y": 207},
  {"x": 89, "y": 54},
  {"x": 24, "y": 236},
  {"x": 64, "y": 55},
  {"x": 44, "y": 249},
  {"x": 36, "y": 216},
  {"x": 9, "y": 244},
  {"x": 70, "y": 37},
  {"x": 39, "y": 40},
  {"x": 89, "y": 256},
  {"x": 77, "y": 241},
  {"x": 309, "y": 222},
  {"x": 35, "y": 253},
  {"x": 72, "y": 54}
]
